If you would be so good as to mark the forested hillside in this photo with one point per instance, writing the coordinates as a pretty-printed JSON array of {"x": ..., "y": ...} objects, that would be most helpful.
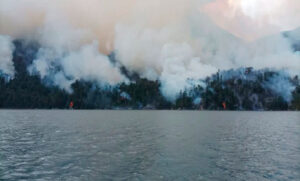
[{"x": 241, "y": 89}]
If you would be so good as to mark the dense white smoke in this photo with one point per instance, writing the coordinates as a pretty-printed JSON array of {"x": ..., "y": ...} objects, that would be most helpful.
[
  {"x": 176, "y": 42},
  {"x": 6, "y": 51},
  {"x": 86, "y": 63},
  {"x": 160, "y": 55}
]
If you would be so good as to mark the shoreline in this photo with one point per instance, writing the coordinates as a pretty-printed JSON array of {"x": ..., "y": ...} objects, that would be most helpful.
[{"x": 171, "y": 110}]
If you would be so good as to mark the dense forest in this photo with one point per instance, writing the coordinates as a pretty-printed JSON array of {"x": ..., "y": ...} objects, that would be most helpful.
[{"x": 241, "y": 89}]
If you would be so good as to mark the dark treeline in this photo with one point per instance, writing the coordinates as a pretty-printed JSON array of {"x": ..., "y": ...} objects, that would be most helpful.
[
  {"x": 245, "y": 91},
  {"x": 25, "y": 91}
]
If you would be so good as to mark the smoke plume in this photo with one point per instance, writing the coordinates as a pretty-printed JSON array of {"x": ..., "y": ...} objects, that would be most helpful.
[
  {"x": 176, "y": 42},
  {"x": 6, "y": 51}
]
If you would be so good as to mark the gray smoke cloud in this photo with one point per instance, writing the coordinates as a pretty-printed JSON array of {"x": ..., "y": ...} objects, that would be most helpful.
[
  {"x": 6, "y": 51},
  {"x": 176, "y": 42},
  {"x": 281, "y": 85}
]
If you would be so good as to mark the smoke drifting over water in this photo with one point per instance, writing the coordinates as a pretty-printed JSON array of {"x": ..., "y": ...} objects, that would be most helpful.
[{"x": 176, "y": 42}]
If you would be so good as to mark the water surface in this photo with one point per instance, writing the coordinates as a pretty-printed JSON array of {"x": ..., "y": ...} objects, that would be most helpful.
[{"x": 149, "y": 145}]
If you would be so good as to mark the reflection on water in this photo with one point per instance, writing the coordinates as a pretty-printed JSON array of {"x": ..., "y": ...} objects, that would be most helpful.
[{"x": 149, "y": 145}]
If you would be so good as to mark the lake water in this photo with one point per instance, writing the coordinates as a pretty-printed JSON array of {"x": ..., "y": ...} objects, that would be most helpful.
[{"x": 149, "y": 145}]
